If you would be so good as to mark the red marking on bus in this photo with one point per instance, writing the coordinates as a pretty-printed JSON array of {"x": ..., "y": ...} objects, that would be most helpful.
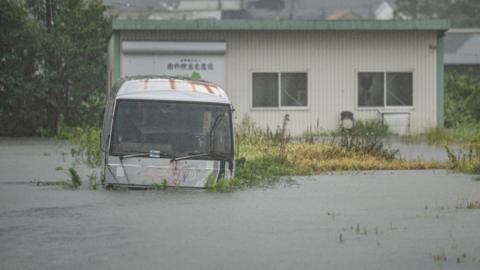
[
  {"x": 172, "y": 84},
  {"x": 145, "y": 84},
  {"x": 216, "y": 88},
  {"x": 208, "y": 87},
  {"x": 194, "y": 89}
]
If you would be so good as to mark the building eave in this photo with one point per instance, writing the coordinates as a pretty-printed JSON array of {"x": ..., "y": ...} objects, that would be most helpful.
[{"x": 276, "y": 25}]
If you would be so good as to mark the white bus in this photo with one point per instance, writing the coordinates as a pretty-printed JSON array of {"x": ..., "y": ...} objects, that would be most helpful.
[{"x": 167, "y": 130}]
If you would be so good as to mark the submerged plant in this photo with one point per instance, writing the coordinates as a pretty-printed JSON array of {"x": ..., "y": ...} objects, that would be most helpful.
[
  {"x": 156, "y": 186},
  {"x": 74, "y": 181},
  {"x": 92, "y": 181},
  {"x": 164, "y": 184},
  {"x": 211, "y": 183},
  {"x": 177, "y": 185}
]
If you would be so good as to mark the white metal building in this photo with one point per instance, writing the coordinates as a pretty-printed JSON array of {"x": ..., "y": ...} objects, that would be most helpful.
[{"x": 311, "y": 70}]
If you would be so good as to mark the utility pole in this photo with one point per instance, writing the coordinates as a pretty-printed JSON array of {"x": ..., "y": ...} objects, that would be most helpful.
[
  {"x": 292, "y": 9},
  {"x": 49, "y": 6},
  {"x": 220, "y": 5}
]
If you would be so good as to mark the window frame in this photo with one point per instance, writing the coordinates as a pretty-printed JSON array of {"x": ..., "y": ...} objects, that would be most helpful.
[
  {"x": 279, "y": 106},
  {"x": 384, "y": 106}
]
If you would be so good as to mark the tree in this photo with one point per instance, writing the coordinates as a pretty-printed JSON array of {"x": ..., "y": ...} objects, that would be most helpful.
[
  {"x": 20, "y": 98},
  {"x": 74, "y": 53},
  {"x": 461, "y": 13},
  {"x": 52, "y": 60},
  {"x": 422, "y": 9},
  {"x": 464, "y": 13}
]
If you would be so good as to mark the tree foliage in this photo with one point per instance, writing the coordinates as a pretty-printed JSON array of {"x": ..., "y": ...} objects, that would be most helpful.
[
  {"x": 462, "y": 13},
  {"x": 51, "y": 67}
]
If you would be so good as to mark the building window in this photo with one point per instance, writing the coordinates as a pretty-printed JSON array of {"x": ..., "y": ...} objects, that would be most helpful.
[
  {"x": 383, "y": 89},
  {"x": 265, "y": 89},
  {"x": 399, "y": 89},
  {"x": 370, "y": 89},
  {"x": 279, "y": 89}
]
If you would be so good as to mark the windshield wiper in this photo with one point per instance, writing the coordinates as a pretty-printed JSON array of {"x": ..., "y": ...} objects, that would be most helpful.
[
  {"x": 196, "y": 155},
  {"x": 153, "y": 154},
  {"x": 146, "y": 154}
]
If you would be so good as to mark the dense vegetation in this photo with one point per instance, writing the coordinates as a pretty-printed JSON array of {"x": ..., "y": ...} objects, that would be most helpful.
[
  {"x": 52, "y": 62},
  {"x": 462, "y": 100}
]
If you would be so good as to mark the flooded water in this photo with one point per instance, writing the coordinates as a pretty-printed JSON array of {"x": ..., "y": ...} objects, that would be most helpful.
[{"x": 381, "y": 220}]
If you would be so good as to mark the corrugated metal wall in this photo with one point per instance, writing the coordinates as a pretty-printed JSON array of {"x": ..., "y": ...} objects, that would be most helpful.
[{"x": 332, "y": 60}]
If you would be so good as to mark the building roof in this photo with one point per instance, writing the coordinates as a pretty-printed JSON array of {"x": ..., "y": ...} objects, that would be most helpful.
[
  {"x": 343, "y": 15},
  {"x": 462, "y": 47},
  {"x": 432, "y": 25},
  {"x": 169, "y": 88},
  {"x": 297, "y": 9}
]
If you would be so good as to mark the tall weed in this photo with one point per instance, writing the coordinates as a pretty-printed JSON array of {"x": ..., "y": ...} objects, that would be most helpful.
[
  {"x": 468, "y": 160},
  {"x": 88, "y": 140},
  {"x": 365, "y": 137}
]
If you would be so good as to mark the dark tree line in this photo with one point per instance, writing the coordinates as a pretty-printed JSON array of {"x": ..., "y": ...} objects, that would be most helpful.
[
  {"x": 461, "y": 13},
  {"x": 52, "y": 64}
]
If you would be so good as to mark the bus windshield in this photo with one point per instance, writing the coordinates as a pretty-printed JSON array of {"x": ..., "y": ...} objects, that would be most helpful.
[{"x": 173, "y": 129}]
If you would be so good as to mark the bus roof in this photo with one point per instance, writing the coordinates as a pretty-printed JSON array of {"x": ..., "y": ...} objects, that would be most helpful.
[{"x": 169, "y": 88}]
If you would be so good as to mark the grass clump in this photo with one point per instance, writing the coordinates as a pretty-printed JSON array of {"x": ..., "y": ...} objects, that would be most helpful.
[
  {"x": 468, "y": 205},
  {"x": 473, "y": 205},
  {"x": 92, "y": 181},
  {"x": 164, "y": 184},
  {"x": 74, "y": 181},
  {"x": 222, "y": 184}
]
